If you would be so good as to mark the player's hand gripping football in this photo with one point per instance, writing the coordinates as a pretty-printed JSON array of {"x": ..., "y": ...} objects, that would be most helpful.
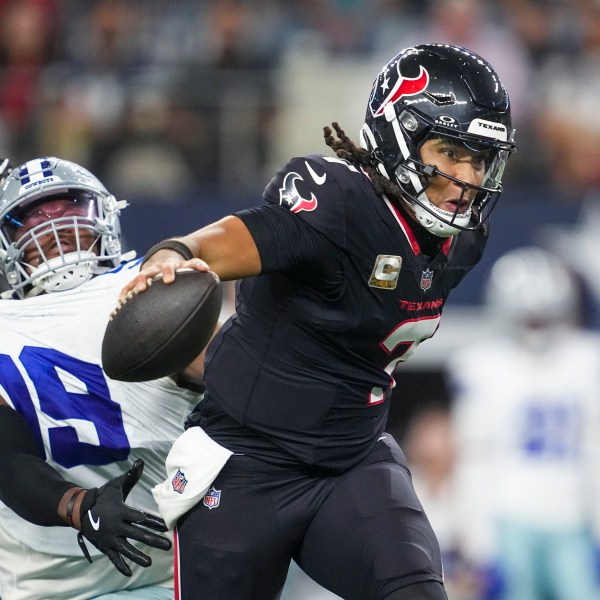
[
  {"x": 107, "y": 522},
  {"x": 164, "y": 263}
]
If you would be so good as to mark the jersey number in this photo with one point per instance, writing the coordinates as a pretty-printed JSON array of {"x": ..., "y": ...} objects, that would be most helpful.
[
  {"x": 400, "y": 343},
  {"x": 551, "y": 430},
  {"x": 73, "y": 392}
]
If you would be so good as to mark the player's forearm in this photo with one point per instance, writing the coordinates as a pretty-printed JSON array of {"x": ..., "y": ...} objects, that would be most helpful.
[
  {"x": 28, "y": 484},
  {"x": 227, "y": 247}
]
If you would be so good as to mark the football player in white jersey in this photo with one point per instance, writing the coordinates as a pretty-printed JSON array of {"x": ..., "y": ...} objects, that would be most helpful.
[
  {"x": 527, "y": 426},
  {"x": 73, "y": 443}
]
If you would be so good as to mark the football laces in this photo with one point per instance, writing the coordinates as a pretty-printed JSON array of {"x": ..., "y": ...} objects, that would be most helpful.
[{"x": 121, "y": 303}]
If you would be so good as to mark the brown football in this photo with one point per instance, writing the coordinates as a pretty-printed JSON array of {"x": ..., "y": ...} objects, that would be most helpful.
[{"x": 160, "y": 331}]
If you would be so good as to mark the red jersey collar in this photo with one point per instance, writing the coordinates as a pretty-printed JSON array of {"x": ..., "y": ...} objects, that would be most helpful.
[{"x": 408, "y": 232}]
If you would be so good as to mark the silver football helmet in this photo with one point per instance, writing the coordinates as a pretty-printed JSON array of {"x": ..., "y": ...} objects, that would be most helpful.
[
  {"x": 59, "y": 226},
  {"x": 531, "y": 287}
]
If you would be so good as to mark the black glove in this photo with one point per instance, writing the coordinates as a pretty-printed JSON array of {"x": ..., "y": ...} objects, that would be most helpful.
[{"x": 107, "y": 522}]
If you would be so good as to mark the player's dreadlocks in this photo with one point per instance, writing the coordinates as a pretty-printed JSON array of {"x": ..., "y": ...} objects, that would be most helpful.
[{"x": 345, "y": 148}]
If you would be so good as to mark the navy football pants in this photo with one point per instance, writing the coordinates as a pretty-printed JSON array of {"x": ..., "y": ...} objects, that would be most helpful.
[{"x": 362, "y": 534}]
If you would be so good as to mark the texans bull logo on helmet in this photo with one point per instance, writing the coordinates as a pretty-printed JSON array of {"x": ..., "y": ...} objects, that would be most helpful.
[{"x": 404, "y": 86}]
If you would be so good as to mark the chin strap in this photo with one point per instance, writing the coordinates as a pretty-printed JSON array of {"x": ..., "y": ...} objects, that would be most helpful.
[{"x": 58, "y": 274}]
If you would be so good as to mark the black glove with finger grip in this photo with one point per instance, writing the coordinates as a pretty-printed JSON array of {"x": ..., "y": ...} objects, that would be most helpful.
[{"x": 108, "y": 523}]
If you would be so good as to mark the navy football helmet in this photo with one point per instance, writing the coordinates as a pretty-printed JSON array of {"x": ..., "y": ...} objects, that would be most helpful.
[
  {"x": 439, "y": 91},
  {"x": 44, "y": 202}
]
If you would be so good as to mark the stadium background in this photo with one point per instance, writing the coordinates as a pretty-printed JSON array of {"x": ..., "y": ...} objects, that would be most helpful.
[{"x": 186, "y": 109}]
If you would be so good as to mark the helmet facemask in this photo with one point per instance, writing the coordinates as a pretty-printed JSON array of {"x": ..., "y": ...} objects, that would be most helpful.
[
  {"x": 57, "y": 238},
  {"x": 66, "y": 248},
  {"x": 439, "y": 92},
  {"x": 414, "y": 175},
  {"x": 411, "y": 131}
]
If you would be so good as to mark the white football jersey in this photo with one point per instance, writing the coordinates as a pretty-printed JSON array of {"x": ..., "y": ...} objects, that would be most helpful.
[
  {"x": 90, "y": 427},
  {"x": 527, "y": 427}
]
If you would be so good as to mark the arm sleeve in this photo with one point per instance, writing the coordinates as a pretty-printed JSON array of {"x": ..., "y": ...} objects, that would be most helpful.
[
  {"x": 28, "y": 484},
  {"x": 288, "y": 244},
  {"x": 283, "y": 240},
  {"x": 301, "y": 228}
]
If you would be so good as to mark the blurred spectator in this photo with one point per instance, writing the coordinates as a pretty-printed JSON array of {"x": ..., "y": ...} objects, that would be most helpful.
[
  {"x": 575, "y": 245},
  {"x": 86, "y": 94},
  {"x": 429, "y": 448},
  {"x": 567, "y": 119},
  {"x": 145, "y": 154},
  {"x": 482, "y": 27},
  {"x": 527, "y": 429},
  {"x": 545, "y": 27},
  {"x": 222, "y": 92},
  {"x": 27, "y": 44}
]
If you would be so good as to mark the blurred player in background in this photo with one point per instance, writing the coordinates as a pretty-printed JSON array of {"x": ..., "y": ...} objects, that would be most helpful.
[
  {"x": 68, "y": 433},
  {"x": 527, "y": 436},
  {"x": 428, "y": 443},
  {"x": 345, "y": 268}
]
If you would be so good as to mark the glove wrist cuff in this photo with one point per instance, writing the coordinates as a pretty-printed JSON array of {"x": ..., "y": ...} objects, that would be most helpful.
[
  {"x": 89, "y": 499},
  {"x": 72, "y": 521}
]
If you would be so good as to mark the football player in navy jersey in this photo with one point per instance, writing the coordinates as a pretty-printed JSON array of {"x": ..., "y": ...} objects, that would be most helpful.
[{"x": 343, "y": 271}]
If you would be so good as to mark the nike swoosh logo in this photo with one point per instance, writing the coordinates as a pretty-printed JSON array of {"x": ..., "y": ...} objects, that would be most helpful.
[
  {"x": 319, "y": 179},
  {"x": 96, "y": 523}
]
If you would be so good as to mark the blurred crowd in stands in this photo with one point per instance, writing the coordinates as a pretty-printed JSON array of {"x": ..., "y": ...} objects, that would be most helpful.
[
  {"x": 170, "y": 96},
  {"x": 197, "y": 98}
]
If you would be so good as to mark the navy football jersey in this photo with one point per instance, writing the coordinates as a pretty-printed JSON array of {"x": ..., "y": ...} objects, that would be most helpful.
[{"x": 345, "y": 294}]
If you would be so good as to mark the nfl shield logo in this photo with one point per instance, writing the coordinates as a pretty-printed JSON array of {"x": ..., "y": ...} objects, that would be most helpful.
[
  {"x": 426, "y": 279},
  {"x": 212, "y": 498},
  {"x": 179, "y": 482}
]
